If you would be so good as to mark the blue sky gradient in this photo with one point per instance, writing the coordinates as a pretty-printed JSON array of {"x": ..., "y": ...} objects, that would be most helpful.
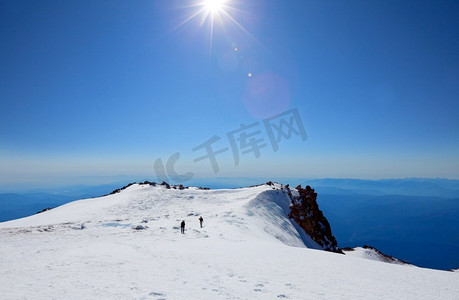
[{"x": 104, "y": 88}]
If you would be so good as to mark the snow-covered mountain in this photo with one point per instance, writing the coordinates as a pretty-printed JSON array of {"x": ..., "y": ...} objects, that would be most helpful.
[{"x": 128, "y": 245}]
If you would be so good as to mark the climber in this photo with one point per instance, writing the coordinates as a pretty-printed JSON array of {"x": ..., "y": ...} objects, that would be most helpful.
[
  {"x": 182, "y": 226},
  {"x": 201, "y": 220}
]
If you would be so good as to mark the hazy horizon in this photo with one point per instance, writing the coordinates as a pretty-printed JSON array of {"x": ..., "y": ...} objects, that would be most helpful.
[{"x": 213, "y": 182}]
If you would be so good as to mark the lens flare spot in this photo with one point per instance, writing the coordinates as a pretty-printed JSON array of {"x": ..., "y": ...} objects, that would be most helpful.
[{"x": 266, "y": 94}]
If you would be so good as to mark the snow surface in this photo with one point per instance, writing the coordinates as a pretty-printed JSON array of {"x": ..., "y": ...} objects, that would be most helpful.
[
  {"x": 373, "y": 255},
  {"x": 129, "y": 246}
]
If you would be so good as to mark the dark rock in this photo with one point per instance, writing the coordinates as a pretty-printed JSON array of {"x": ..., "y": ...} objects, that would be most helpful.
[
  {"x": 348, "y": 249},
  {"x": 385, "y": 257},
  {"x": 139, "y": 227},
  {"x": 148, "y": 182},
  {"x": 167, "y": 185},
  {"x": 41, "y": 211},
  {"x": 306, "y": 213},
  {"x": 123, "y": 188}
]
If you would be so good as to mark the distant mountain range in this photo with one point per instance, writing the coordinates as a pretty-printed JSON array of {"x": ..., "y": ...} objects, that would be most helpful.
[
  {"x": 438, "y": 187},
  {"x": 26, "y": 203}
]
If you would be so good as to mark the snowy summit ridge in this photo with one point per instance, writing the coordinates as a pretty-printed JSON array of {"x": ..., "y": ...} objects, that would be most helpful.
[{"x": 128, "y": 245}]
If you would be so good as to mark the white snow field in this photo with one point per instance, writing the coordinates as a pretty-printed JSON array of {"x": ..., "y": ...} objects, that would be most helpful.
[{"x": 247, "y": 249}]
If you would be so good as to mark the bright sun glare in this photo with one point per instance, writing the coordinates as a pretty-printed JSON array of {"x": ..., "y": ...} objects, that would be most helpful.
[
  {"x": 213, "y": 13},
  {"x": 214, "y": 6}
]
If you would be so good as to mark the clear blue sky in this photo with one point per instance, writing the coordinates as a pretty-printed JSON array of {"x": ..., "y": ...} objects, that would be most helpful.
[{"x": 104, "y": 88}]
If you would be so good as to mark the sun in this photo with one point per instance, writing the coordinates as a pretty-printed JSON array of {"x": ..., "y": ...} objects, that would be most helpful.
[
  {"x": 219, "y": 16},
  {"x": 214, "y": 6}
]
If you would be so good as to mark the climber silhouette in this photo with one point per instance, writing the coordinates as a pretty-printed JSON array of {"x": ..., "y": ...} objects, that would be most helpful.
[
  {"x": 182, "y": 226},
  {"x": 201, "y": 220}
]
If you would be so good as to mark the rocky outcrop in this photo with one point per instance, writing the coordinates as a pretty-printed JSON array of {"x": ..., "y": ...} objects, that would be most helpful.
[
  {"x": 121, "y": 189},
  {"x": 372, "y": 253},
  {"x": 43, "y": 210},
  {"x": 148, "y": 182},
  {"x": 167, "y": 185},
  {"x": 385, "y": 257},
  {"x": 305, "y": 211}
]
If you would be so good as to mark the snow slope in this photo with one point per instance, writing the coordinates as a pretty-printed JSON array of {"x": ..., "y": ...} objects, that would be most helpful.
[
  {"x": 373, "y": 254},
  {"x": 247, "y": 249}
]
